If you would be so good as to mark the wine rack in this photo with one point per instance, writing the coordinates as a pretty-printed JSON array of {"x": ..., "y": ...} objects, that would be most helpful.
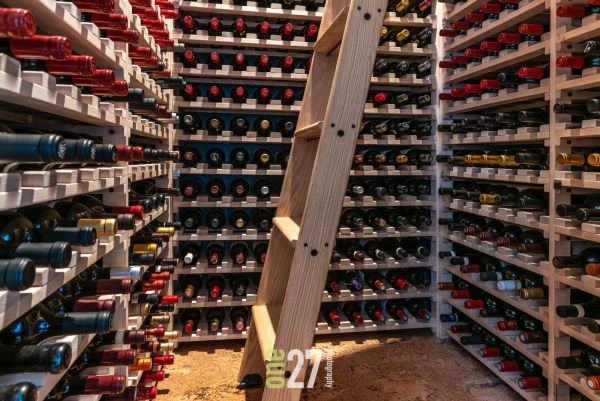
[
  {"x": 201, "y": 73},
  {"x": 558, "y": 133},
  {"x": 34, "y": 101}
]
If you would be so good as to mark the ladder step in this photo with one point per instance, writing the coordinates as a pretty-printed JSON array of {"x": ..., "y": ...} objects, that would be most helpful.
[
  {"x": 265, "y": 320},
  {"x": 310, "y": 131},
  {"x": 289, "y": 228},
  {"x": 332, "y": 36}
]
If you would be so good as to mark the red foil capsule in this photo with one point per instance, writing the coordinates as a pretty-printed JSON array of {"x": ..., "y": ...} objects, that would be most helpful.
[
  {"x": 573, "y": 12},
  {"x": 458, "y": 59},
  {"x": 475, "y": 18},
  {"x": 16, "y": 23},
  {"x": 189, "y": 56},
  {"x": 126, "y": 36},
  {"x": 312, "y": 31},
  {"x": 168, "y": 299},
  {"x": 506, "y": 325},
  {"x": 101, "y": 79},
  {"x": 510, "y": 38},
  {"x": 153, "y": 376},
  {"x": 239, "y": 59},
  {"x": 577, "y": 62},
  {"x": 159, "y": 33},
  {"x": 119, "y": 88},
  {"x": 507, "y": 366},
  {"x": 239, "y": 25},
  {"x": 490, "y": 8},
  {"x": 335, "y": 318},
  {"x": 136, "y": 52},
  {"x": 170, "y": 14},
  {"x": 164, "y": 5},
  {"x": 460, "y": 294},
  {"x": 215, "y": 58},
  {"x": 448, "y": 33},
  {"x": 287, "y": 95},
  {"x": 531, "y": 29},
  {"x": 92, "y": 305},
  {"x": 460, "y": 328},
  {"x": 445, "y": 96},
  {"x": 474, "y": 304},
  {"x": 263, "y": 60},
  {"x": 110, "y": 21},
  {"x": 155, "y": 285},
  {"x": 288, "y": 29},
  {"x": 461, "y": 26},
  {"x": 380, "y": 98},
  {"x": 458, "y": 93},
  {"x": 146, "y": 393},
  {"x": 530, "y": 383},
  {"x": 141, "y": 3},
  {"x": 118, "y": 357},
  {"x": 489, "y": 84},
  {"x": 490, "y": 352},
  {"x": 153, "y": 23},
  {"x": 146, "y": 13},
  {"x": 447, "y": 64},
  {"x": 471, "y": 268},
  {"x": 160, "y": 360},
  {"x": 264, "y": 27},
  {"x": 110, "y": 286},
  {"x": 155, "y": 332},
  {"x": 74, "y": 65},
  {"x": 111, "y": 384},
  {"x": 189, "y": 22},
  {"x": 474, "y": 53},
  {"x": 166, "y": 43},
  {"x": 471, "y": 89},
  {"x": 137, "y": 211},
  {"x": 100, "y": 6},
  {"x": 41, "y": 48},
  {"x": 288, "y": 62},
  {"x": 593, "y": 382},
  {"x": 531, "y": 72},
  {"x": 489, "y": 46}
]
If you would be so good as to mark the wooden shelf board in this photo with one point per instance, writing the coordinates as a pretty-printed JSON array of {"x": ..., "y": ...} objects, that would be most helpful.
[
  {"x": 540, "y": 92},
  {"x": 501, "y": 62},
  {"x": 540, "y": 314},
  {"x": 522, "y": 14},
  {"x": 507, "y": 377},
  {"x": 532, "y": 267},
  {"x": 227, "y": 8}
]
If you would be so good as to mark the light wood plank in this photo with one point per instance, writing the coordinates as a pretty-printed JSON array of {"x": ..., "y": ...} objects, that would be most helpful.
[
  {"x": 310, "y": 131},
  {"x": 290, "y": 228},
  {"x": 332, "y": 36}
]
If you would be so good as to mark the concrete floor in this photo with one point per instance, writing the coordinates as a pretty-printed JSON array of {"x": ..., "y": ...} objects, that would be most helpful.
[{"x": 388, "y": 366}]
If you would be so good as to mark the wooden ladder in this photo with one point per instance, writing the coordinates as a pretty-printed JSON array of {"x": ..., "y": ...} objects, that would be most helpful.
[{"x": 306, "y": 222}]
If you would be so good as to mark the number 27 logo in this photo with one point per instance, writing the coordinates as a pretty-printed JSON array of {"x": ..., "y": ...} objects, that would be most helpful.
[{"x": 275, "y": 368}]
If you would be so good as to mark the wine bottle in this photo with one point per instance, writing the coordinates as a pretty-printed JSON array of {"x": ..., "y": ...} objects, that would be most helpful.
[
  {"x": 190, "y": 318},
  {"x": 40, "y": 323},
  {"x": 215, "y": 317},
  {"x": 239, "y": 317},
  {"x": 352, "y": 311},
  {"x": 215, "y": 220},
  {"x": 374, "y": 311}
]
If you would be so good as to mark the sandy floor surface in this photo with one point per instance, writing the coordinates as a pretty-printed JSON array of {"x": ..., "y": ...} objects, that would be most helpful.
[{"x": 370, "y": 367}]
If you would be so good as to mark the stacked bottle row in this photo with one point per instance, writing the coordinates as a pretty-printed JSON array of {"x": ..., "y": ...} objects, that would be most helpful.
[
  {"x": 86, "y": 263},
  {"x": 495, "y": 163},
  {"x": 230, "y": 190},
  {"x": 573, "y": 260}
]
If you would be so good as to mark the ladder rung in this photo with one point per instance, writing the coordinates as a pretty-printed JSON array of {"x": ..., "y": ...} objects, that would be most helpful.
[
  {"x": 265, "y": 320},
  {"x": 310, "y": 131},
  {"x": 288, "y": 227},
  {"x": 332, "y": 36}
]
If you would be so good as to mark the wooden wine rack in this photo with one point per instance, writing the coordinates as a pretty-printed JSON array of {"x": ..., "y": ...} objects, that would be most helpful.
[
  {"x": 386, "y": 82},
  {"x": 46, "y": 105},
  {"x": 560, "y": 135}
]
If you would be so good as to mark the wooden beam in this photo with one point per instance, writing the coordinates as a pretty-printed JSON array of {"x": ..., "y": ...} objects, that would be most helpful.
[{"x": 332, "y": 36}]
